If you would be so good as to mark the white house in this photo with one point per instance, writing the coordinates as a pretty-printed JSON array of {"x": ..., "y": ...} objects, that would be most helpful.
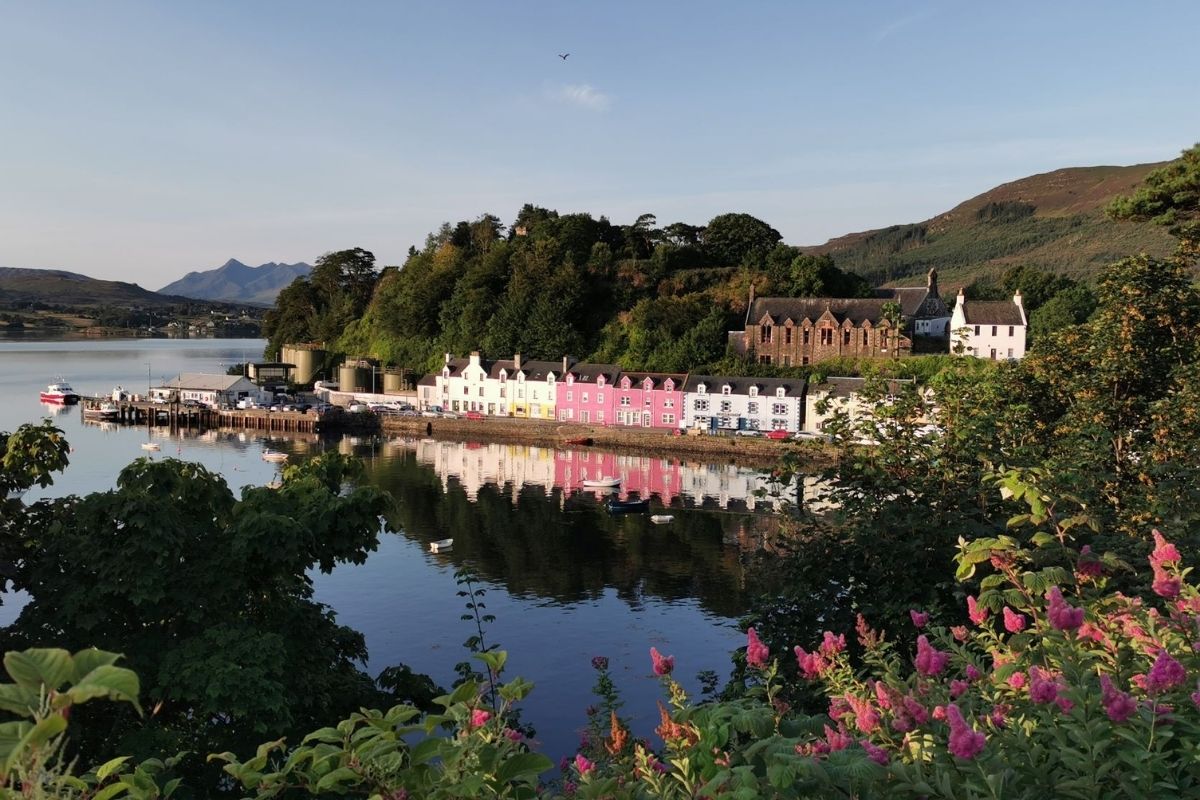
[
  {"x": 496, "y": 388},
  {"x": 823, "y": 400},
  {"x": 729, "y": 404},
  {"x": 992, "y": 329},
  {"x": 211, "y": 390}
]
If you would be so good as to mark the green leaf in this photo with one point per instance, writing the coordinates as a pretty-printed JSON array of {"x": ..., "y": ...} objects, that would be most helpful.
[
  {"x": 18, "y": 699},
  {"x": 87, "y": 660},
  {"x": 33, "y": 669},
  {"x": 111, "y": 791},
  {"x": 108, "y": 767},
  {"x": 522, "y": 764},
  {"x": 339, "y": 775},
  {"x": 11, "y": 735},
  {"x": 116, "y": 683}
]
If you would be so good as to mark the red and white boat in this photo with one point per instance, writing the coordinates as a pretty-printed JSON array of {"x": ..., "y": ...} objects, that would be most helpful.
[{"x": 60, "y": 393}]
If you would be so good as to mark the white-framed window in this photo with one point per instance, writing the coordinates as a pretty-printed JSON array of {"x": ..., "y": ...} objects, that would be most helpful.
[
  {"x": 779, "y": 392},
  {"x": 669, "y": 402},
  {"x": 778, "y": 424},
  {"x": 668, "y": 419},
  {"x": 584, "y": 398},
  {"x": 779, "y": 408},
  {"x": 752, "y": 408},
  {"x": 600, "y": 417},
  {"x": 726, "y": 406},
  {"x": 702, "y": 389},
  {"x": 625, "y": 401},
  {"x": 600, "y": 398},
  {"x": 754, "y": 391},
  {"x": 725, "y": 389},
  {"x": 570, "y": 396},
  {"x": 700, "y": 405}
]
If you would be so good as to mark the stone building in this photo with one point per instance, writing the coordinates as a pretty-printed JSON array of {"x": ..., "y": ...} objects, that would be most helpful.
[{"x": 794, "y": 331}]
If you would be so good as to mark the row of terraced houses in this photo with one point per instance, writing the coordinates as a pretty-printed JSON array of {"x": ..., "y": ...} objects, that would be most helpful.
[{"x": 606, "y": 395}]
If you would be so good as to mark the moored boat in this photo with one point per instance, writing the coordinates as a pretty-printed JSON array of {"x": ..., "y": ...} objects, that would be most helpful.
[
  {"x": 627, "y": 506},
  {"x": 583, "y": 441},
  {"x": 661, "y": 519},
  {"x": 60, "y": 393},
  {"x": 274, "y": 457},
  {"x": 151, "y": 446},
  {"x": 103, "y": 411},
  {"x": 607, "y": 482},
  {"x": 441, "y": 545}
]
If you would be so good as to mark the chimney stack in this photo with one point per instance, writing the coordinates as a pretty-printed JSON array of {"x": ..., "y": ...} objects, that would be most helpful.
[
  {"x": 931, "y": 281},
  {"x": 564, "y": 372},
  {"x": 517, "y": 362},
  {"x": 447, "y": 358},
  {"x": 1017, "y": 299}
]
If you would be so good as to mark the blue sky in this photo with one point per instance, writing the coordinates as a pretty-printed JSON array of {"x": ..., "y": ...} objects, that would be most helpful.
[{"x": 141, "y": 140}]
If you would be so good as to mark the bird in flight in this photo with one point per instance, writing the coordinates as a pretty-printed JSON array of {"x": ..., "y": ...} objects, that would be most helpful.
[{"x": 563, "y": 56}]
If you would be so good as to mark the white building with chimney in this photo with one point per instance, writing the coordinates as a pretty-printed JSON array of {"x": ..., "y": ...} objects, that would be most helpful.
[{"x": 993, "y": 329}]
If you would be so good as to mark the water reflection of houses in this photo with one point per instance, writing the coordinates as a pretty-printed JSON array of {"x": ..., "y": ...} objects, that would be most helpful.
[{"x": 678, "y": 484}]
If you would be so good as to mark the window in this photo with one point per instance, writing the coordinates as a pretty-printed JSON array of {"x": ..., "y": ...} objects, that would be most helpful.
[
  {"x": 754, "y": 391},
  {"x": 846, "y": 336},
  {"x": 1010, "y": 330},
  {"x": 700, "y": 405},
  {"x": 503, "y": 376},
  {"x": 600, "y": 398},
  {"x": 764, "y": 334},
  {"x": 804, "y": 361},
  {"x": 764, "y": 359},
  {"x": 779, "y": 408},
  {"x": 502, "y": 391},
  {"x": 465, "y": 390},
  {"x": 787, "y": 335},
  {"x": 864, "y": 338},
  {"x": 993, "y": 356},
  {"x": 726, "y": 406},
  {"x": 976, "y": 330},
  {"x": 1010, "y": 355},
  {"x": 669, "y": 402},
  {"x": 787, "y": 361},
  {"x": 779, "y": 424},
  {"x": 993, "y": 330},
  {"x": 625, "y": 401},
  {"x": 584, "y": 398},
  {"x": 600, "y": 417},
  {"x": 806, "y": 336},
  {"x": 481, "y": 391},
  {"x": 668, "y": 419},
  {"x": 570, "y": 396},
  {"x": 826, "y": 336},
  {"x": 725, "y": 390},
  {"x": 752, "y": 408}
]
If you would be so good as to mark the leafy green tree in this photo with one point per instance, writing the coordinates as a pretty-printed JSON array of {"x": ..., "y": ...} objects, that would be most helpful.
[
  {"x": 732, "y": 239},
  {"x": 208, "y": 597},
  {"x": 1071, "y": 306}
]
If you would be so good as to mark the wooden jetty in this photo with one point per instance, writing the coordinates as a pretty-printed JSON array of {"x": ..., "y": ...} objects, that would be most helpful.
[{"x": 179, "y": 416}]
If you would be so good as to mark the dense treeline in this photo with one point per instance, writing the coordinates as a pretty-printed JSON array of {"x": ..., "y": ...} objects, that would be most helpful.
[{"x": 551, "y": 284}]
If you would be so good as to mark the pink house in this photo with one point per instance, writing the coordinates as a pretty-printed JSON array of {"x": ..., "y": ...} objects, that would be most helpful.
[
  {"x": 640, "y": 475},
  {"x": 649, "y": 400},
  {"x": 586, "y": 394}
]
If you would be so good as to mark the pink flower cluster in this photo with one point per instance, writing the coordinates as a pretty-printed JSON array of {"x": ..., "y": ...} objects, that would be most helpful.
[
  {"x": 1062, "y": 616},
  {"x": 965, "y": 741},
  {"x": 1165, "y": 555},
  {"x": 976, "y": 612},
  {"x": 930, "y": 661},
  {"x": 1013, "y": 622},
  {"x": 663, "y": 665},
  {"x": 756, "y": 652},
  {"x": 1119, "y": 705}
]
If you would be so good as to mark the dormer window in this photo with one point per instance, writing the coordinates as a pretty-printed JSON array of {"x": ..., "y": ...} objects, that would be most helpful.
[
  {"x": 600, "y": 380},
  {"x": 725, "y": 389},
  {"x": 445, "y": 372},
  {"x": 779, "y": 392},
  {"x": 754, "y": 391},
  {"x": 669, "y": 385},
  {"x": 647, "y": 384},
  {"x": 570, "y": 379},
  {"x": 550, "y": 378},
  {"x": 625, "y": 383},
  {"x": 503, "y": 376},
  {"x": 701, "y": 389}
]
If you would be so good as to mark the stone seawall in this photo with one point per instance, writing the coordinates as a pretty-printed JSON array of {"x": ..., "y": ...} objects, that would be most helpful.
[{"x": 743, "y": 450}]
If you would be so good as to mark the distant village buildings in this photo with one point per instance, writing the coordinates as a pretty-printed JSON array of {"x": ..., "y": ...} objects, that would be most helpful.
[
  {"x": 798, "y": 331},
  {"x": 993, "y": 329}
]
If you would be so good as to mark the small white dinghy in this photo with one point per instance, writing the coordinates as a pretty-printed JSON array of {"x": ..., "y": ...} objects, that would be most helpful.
[
  {"x": 661, "y": 519},
  {"x": 151, "y": 446},
  {"x": 441, "y": 545},
  {"x": 607, "y": 482},
  {"x": 274, "y": 457}
]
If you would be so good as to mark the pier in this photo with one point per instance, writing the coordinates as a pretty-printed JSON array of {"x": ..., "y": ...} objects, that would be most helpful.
[{"x": 180, "y": 416}]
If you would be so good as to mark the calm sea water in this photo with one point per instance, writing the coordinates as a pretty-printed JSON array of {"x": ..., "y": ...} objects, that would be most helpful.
[{"x": 565, "y": 580}]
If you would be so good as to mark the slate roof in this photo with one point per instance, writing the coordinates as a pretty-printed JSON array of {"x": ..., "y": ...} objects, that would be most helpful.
[
  {"x": 911, "y": 300},
  {"x": 844, "y": 387},
  {"x": 203, "y": 382},
  {"x": 637, "y": 378},
  {"x": 792, "y": 387},
  {"x": 588, "y": 373},
  {"x": 538, "y": 370},
  {"x": 797, "y": 309},
  {"x": 428, "y": 380},
  {"x": 992, "y": 312}
]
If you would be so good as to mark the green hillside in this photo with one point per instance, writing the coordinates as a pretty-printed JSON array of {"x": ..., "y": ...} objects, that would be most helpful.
[{"x": 1054, "y": 222}]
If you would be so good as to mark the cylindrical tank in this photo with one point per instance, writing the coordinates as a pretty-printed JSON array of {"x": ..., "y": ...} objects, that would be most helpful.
[
  {"x": 307, "y": 358},
  {"x": 393, "y": 382},
  {"x": 353, "y": 378}
]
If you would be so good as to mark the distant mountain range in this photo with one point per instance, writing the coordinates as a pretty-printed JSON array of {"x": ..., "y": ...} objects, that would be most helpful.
[
  {"x": 61, "y": 288},
  {"x": 238, "y": 283},
  {"x": 1054, "y": 221}
]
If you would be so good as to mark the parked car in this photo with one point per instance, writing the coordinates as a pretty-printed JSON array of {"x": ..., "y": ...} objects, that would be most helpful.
[
  {"x": 812, "y": 436},
  {"x": 357, "y": 408},
  {"x": 474, "y": 415},
  {"x": 407, "y": 412},
  {"x": 747, "y": 432},
  {"x": 323, "y": 408},
  {"x": 190, "y": 403},
  {"x": 449, "y": 415},
  {"x": 777, "y": 434},
  {"x": 432, "y": 411}
]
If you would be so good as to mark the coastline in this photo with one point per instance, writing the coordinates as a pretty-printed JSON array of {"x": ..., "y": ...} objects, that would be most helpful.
[{"x": 742, "y": 451}]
